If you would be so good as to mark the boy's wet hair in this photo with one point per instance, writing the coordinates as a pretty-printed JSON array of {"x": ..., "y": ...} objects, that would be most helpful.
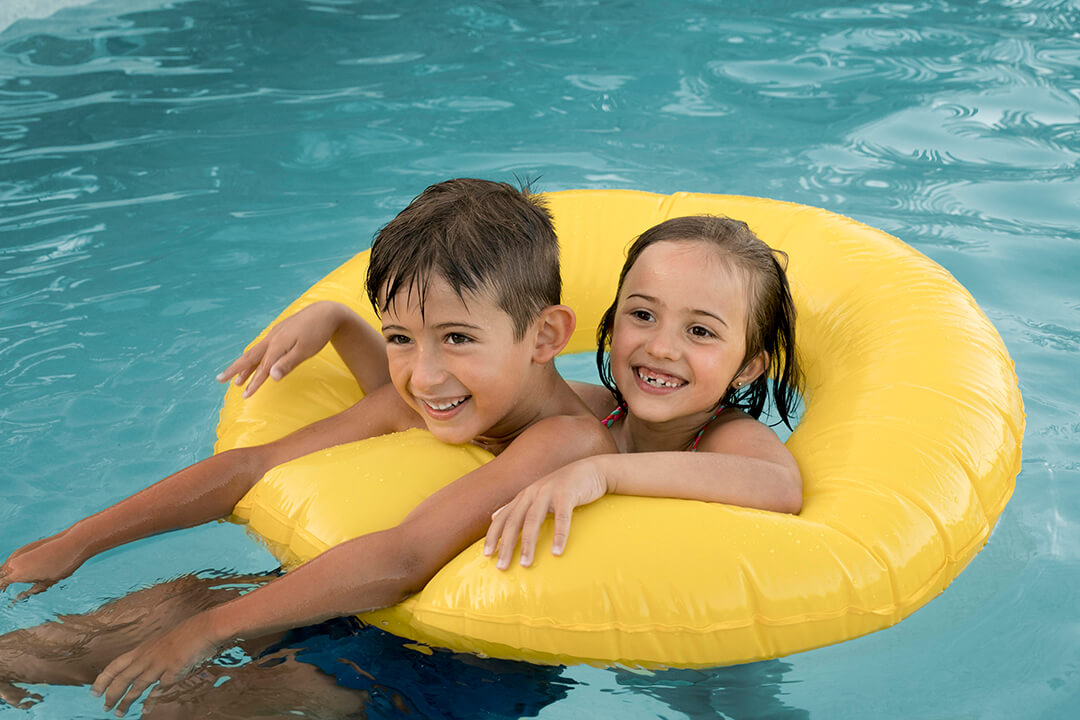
[
  {"x": 478, "y": 236},
  {"x": 770, "y": 320}
]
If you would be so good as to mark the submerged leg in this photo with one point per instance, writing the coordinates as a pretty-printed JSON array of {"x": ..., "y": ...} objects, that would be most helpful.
[
  {"x": 277, "y": 686},
  {"x": 74, "y": 649}
]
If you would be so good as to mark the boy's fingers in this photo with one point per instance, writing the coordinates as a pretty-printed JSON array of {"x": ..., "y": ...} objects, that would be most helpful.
[
  {"x": 124, "y": 688},
  {"x": 36, "y": 588},
  {"x": 286, "y": 363},
  {"x": 261, "y": 373},
  {"x": 244, "y": 363},
  {"x": 138, "y": 687}
]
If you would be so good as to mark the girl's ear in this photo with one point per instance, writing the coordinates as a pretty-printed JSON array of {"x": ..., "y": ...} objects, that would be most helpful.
[
  {"x": 752, "y": 370},
  {"x": 553, "y": 330}
]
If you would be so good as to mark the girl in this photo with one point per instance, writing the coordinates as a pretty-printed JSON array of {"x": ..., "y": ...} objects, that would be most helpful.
[{"x": 702, "y": 318}]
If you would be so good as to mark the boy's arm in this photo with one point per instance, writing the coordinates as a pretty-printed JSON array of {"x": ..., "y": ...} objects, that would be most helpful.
[
  {"x": 741, "y": 463},
  {"x": 300, "y": 336},
  {"x": 368, "y": 572},
  {"x": 205, "y": 491}
]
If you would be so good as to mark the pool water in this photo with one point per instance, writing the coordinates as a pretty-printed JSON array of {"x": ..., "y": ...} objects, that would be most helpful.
[{"x": 173, "y": 172}]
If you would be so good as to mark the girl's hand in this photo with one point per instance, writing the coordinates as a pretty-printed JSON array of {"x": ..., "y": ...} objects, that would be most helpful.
[
  {"x": 578, "y": 483},
  {"x": 43, "y": 563},
  {"x": 166, "y": 659},
  {"x": 289, "y": 343}
]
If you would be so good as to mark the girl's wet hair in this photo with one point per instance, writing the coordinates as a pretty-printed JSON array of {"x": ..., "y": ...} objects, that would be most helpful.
[{"x": 770, "y": 320}]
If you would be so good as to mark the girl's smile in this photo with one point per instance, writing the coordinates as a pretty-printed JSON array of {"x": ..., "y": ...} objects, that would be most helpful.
[{"x": 679, "y": 340}]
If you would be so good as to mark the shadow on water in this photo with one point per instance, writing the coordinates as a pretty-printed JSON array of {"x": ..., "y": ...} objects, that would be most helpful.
[
  {"x": 378, "y": 675},
  {"x": 741, "y": 691}
]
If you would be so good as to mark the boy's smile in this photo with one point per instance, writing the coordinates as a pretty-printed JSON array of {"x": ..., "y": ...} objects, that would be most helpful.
[{"x": 457, "y": 363}]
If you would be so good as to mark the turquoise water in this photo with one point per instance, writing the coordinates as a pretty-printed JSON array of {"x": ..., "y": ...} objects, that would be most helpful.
[{"x": 172, "y": 173}]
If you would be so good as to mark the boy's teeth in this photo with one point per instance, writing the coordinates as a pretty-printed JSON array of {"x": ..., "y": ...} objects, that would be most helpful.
[
  {"x": 445, "y": 405},
  {"x": 658, "y": 380}
]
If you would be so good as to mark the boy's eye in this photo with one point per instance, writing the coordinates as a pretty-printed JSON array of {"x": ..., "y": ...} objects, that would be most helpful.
[
  {"x": 457, "y": 338},
  {"x": 397, "y": 339}
]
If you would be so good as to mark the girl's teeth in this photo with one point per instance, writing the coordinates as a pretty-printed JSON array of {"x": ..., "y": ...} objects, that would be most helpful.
[{"x": 655, "y": 381}]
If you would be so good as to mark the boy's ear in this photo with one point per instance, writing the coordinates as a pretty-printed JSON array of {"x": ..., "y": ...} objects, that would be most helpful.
[
  {"x": 752, "y": 370},
  {"x": 553, "y": 330}
]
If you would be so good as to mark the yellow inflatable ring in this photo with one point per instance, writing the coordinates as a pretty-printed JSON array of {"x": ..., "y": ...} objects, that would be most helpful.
[{"x": 909, "y": 446}]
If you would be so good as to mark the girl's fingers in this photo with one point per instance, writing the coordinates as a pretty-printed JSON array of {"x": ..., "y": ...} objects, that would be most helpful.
[
  {"x": 530, "y": 528},
  {"x": 511, "y": 531},
  {"x": 498, "y": 520},
  {"x": 563, "y": 512}
]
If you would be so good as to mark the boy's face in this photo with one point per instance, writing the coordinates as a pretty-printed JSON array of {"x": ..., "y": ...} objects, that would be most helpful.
[{"x": 459, "y": 365}]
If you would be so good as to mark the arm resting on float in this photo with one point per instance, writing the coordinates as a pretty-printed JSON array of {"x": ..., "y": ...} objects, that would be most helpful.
[
  {"x": 363, "y": 349},
  {"x": 207, "y": 490},
  {"x": 741, "y": 463},
  {"x": 707, "y": 476},
  {"x": 383, "y": 568},
  {"x": 367, "y": 572}
]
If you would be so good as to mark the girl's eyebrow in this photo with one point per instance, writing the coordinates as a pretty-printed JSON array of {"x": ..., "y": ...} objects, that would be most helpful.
[{"x": 651, "y": 299}]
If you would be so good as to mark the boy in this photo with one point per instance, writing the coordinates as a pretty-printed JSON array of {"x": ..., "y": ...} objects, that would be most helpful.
[{"x": 466, "y": 280}]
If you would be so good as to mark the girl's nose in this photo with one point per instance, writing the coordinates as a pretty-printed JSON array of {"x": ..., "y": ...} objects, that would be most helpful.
[{"x": 662, "y": 345}]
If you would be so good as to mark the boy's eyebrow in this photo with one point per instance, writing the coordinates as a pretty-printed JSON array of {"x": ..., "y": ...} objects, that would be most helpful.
[
  {"x": 440, "y": 326},
  {"x": 650, "y": 298}
]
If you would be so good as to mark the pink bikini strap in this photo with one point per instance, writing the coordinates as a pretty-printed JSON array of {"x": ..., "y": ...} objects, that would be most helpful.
[{"x": 618, "y": 412}]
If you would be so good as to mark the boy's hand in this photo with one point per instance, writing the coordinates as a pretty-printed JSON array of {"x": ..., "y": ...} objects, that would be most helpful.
[
  {"x": 43, "y": 563},
  {"x": 166, "y": 659},
  {"x": 289, "y": 343},
  {"x": 578, "y": 483}
]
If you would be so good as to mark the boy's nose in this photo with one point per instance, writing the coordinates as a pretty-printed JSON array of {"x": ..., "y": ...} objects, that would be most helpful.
[{"x": 428, "y": 373}]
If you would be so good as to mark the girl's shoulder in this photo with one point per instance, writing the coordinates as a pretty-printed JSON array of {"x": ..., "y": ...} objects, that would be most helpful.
[{"x": 733, "y": 430}]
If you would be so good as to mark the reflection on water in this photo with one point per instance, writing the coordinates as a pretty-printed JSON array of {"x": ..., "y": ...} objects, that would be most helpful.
[{"x": 746, "y": 692}]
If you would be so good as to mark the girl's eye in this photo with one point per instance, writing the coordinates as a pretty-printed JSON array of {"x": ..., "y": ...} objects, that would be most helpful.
[
  {"x": 701, "y": 331},
  {"x": 398, "y": 339},
  {"x": 457, "y": 339},
  {"x": 643, "y": 315}
]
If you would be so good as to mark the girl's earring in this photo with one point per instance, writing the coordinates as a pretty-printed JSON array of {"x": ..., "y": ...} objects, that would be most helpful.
[{"x": 738, "y": 384}]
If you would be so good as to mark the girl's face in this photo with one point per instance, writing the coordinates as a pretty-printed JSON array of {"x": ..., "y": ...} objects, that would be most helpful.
[{"x": 679, "y": 337}]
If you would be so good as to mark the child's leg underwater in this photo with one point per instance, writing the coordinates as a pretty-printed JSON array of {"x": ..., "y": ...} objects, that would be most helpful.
[
  {"x": 74, "y": 649},
  {"x": 277, "y": 686}
]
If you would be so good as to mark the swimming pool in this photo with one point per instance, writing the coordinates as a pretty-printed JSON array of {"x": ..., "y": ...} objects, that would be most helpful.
[{"x": 172, "y": 173}]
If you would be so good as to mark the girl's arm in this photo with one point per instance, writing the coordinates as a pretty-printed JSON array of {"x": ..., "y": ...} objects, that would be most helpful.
[
  {"x": 205, "y": 491},
  {"x": 741, "y": 462},
  {"x": 300, "y": 336},
  {"x": 368, "y": 572}
]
